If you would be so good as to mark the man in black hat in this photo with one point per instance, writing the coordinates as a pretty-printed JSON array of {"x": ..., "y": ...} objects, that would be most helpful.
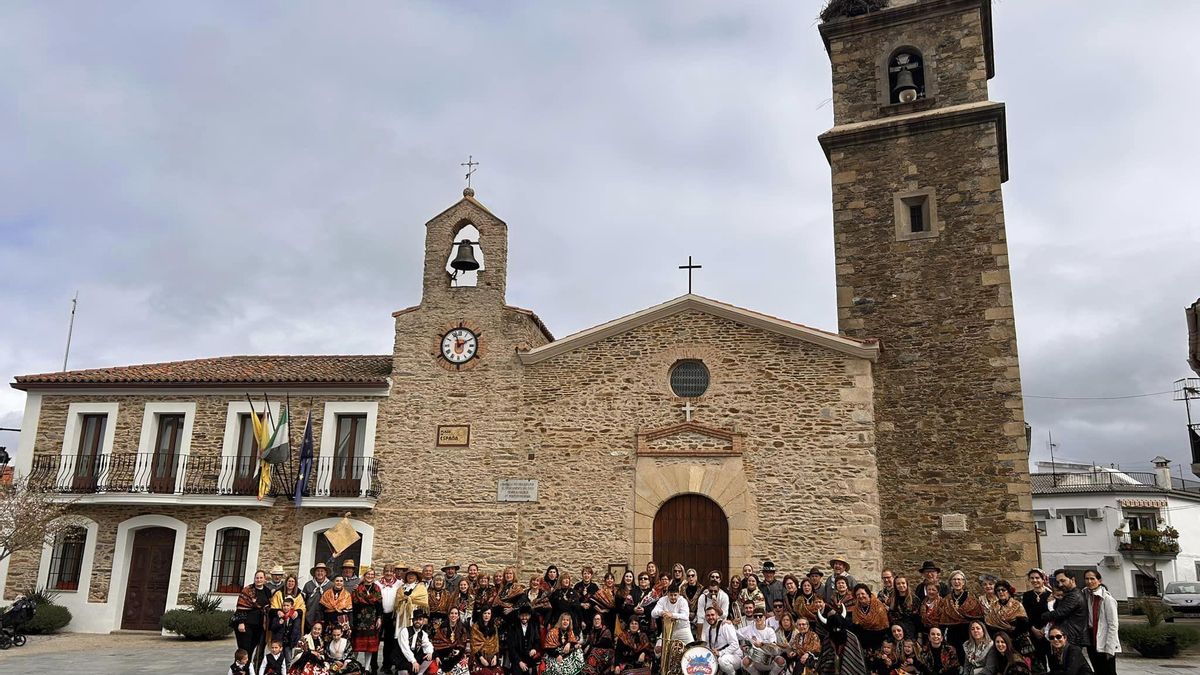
[
  {"x": 931, "y": 574},
  {"x": 772, "y": 585},
  {"x": 416, "y": 647},
  {"x": 524, "y": 644},
  {"x": 815, "y": 575}
]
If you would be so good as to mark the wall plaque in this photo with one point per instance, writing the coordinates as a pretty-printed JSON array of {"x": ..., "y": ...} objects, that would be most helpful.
[
  {"x": 516, "y": 490},
  {"x": 954, "y": 522},
  {"x": 453, "y": 435}
]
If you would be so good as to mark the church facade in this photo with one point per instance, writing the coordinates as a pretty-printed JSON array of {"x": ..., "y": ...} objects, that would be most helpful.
[{"x": 692, "y": 431}]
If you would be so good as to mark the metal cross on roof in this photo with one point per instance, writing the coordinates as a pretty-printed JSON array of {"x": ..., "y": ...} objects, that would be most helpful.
[
  {"x": 470, "y": 164},
  {"x": 689, "y": 267}
]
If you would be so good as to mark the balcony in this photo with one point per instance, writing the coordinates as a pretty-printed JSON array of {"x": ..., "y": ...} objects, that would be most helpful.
[
  {"x": 1148, "y": 543},
  {"x": 150, "y": 478}
]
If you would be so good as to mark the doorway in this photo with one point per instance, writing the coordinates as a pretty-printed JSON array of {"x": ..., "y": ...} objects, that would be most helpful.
[
  {"x": 692, "y": 529},
  {"x": 148, "y": 578}
]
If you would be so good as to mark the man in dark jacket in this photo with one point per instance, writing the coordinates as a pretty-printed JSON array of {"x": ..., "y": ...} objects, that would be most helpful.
[
  {"x": 524, "y": 644},
  {"x": 1065, "y": 658},
  {"x": 1070, "y": 611}
]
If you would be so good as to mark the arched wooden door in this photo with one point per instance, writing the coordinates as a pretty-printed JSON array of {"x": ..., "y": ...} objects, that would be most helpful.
[
  {"x": 149, "y": 578},
  {"x": 693, "y": 530}
]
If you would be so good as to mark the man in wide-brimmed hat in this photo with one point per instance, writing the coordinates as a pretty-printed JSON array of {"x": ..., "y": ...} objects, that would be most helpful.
[
  {"x": 350, "y": 574},
  {"x": 276, "y": 581},
  {"x": 841, "y": 570},
  {"x": 931, "y": 574},
  {"x": 412, "y": 596},
  {"x": 450, "y": 569},
  {"x": 312, "y": 591}
]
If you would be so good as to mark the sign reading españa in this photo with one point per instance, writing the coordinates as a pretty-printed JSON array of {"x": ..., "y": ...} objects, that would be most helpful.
[{"x": 453, "y": 435}]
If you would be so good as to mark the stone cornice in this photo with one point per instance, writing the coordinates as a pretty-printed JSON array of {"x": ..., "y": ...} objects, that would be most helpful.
[
  {"x": 922, "y": 122},
  {"x": 733, "y": 437},
  {"x": 874, "y": 21}
]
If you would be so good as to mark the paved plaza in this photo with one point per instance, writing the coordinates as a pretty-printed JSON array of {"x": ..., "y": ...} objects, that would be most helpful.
[{"x": 128, "y": 653}]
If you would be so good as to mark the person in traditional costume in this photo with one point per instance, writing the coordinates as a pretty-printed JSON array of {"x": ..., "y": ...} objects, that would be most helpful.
[
  {"x": 791, "y": 591},
  {"x": 439, "y": 596},
  {"x": 987, "y": 582},
  {"x": 940, "y": 658},
  {"x": 509, "y": 595},
  {"x": 644, "y": 598},
  {"x": 896, "y": 634},
  {"x": 785, "y": 636},
  {"x": 713, "y": 597},
  {"x": 450, "y": 645},
  {"x": 550, "y": 578},
  {"x": 815, "y": 575},
  {"x": 931, "y": 608},
  {"x": 752, "y": 593},
  {"x": 585, "y": 589},
  {"x": 537, "y": 596},
  {"x": 309, "y": 658},
  {"x": 463, "y": 599},
  {"x": 722, "y": 640},
  {"x": 931, "y": 573},
  {"x": 1006, "y": 613},
  {"x": 286, "y": 627},
  {"x": 250, "y": 616},
  {"x": 450, "y": 571},
  {"x": 841, "y": 653},
  {"x": 903, "y": 607},
  {"x": 416, "y": 649},
  {"x": 672, "y": 611},
  {"x": 771, "y": 585},
  {"x": 807, "y": 646},
  {"x": 338, "y": 650},
  {"x": 870, "y": 618},
  {"x": 979, "y": 656},
  {"x": 565, "y": 599},
  {"x": 843, "y": 593},
  {"x": 524, "y": 644},
  {"x": 241, "y": 663},
  {"x": 888, "y": 578},
  {"x": 485, "y": 644},
  {"x": 350, "y": 575},
  {"x": 290, "y": 589},
  {"x": 411, "y": 597},
  {"x": 808, "y": 602},
  {"x": 312, "y": 592},
  {"x": 958, "y": 610},
  {"x": 367, "y": 619},
  {"x": 337, "y": 605},
  {"x": 604, "y": 602},
  {"x": 274, "y": 661},
  {"x": 597, "y": 647},
  {"x": 389, "y": 588},
  {"x": 1036, "y": 603},
  {"x": 829, "y": 590},
  {"x": 276, "y": 581},
  {"x": 625, "y": 596},
  {"x": 634, "y": 652}
]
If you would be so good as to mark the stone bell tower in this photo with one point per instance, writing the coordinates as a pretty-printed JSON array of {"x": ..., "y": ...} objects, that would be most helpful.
[{"x": 918, "y": 155}]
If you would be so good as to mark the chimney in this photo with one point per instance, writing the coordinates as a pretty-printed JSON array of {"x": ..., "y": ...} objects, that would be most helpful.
[{"x": 1162, "y": 472}]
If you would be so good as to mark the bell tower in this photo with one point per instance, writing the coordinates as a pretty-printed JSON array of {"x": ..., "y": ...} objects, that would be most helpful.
[{"x": 918, "y": 155}]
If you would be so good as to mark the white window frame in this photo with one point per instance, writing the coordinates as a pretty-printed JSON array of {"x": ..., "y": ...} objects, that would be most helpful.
[
  {"x": 70, "y": 447},
  {"x": 1040, "y": 526},
  {"x": 1140, "y": 514},
  {"x": 309, "y": 534},
  {"x": 209, "y": 556},
  {"x": 149, "y": 436},
  {"x": 229, "y": 444},
  {"x": 1081, "y": 524},
  {"x": 85, "y": 567},
  {"x": 329, "y": 439}
]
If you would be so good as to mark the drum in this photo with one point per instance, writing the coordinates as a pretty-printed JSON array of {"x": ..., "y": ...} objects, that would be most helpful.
[
  {"x": 698, "y": 660},
  {"x": 760, "y": 657}
]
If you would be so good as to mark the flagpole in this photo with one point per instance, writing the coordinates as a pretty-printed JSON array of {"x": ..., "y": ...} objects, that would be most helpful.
[{"x": 287, "y": 397}]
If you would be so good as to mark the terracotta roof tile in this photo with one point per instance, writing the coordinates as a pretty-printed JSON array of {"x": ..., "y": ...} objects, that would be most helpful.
[{"x": 296, "y": 370}]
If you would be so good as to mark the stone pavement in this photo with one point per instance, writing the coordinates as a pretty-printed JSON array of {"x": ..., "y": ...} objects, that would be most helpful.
[{"x": 132, "y": 653}]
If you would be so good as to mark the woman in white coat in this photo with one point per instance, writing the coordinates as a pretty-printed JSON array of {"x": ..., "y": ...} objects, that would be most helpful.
[{"x": 1102, "y": 625}]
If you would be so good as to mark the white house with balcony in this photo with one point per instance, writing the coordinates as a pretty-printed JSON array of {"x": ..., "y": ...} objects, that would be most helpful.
[{"x": 1140, "y": 530}]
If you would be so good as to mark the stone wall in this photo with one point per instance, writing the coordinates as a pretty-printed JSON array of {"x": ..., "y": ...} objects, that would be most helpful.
[{"x": 950, "y": 423}]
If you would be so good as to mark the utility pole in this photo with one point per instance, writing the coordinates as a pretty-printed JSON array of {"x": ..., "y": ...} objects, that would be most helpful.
[{"x": 70, "y": 330}]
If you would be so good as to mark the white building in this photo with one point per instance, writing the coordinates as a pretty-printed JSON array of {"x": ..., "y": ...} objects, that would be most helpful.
[{"x": 1139, "y": 530}]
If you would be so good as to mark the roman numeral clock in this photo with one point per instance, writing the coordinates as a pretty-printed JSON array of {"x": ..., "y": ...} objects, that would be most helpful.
[{"x": 460, "y": 346}]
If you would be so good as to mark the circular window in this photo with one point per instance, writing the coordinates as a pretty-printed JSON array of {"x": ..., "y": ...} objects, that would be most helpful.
[{"x": 689, "y": 379}]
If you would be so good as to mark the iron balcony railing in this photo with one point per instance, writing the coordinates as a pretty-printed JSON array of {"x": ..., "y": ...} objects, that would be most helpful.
[{"x": 150, "y": 473}]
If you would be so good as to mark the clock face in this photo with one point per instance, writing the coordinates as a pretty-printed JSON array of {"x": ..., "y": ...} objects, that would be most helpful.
[{"x": 460, "y": 345}]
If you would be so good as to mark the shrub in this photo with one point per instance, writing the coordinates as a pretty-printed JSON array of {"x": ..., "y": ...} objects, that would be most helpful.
[
  {"x": 48, "y": 619},
  {"x": 193, "y": 625},
  {"x": 1154, "y": 610},
  {"x": 1159, "y": 641},
  {"x": 1186, "y": 636}
]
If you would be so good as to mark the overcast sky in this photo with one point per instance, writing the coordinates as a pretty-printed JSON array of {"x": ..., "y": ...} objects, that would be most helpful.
[{"x": 229, "y": 178}]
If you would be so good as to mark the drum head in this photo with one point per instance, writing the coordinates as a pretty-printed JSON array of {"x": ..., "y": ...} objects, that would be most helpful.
[{"x": 698, "y": 660}]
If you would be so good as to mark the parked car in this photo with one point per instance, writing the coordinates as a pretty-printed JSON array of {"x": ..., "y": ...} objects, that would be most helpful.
[{"x": 1183, "y": 597}]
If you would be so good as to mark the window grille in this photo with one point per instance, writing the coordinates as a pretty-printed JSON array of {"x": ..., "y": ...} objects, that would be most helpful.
[
  {"x": 66, "y": 561},
  {"x": 689, "y": 379},
  {"x": 229, "y": 560}
]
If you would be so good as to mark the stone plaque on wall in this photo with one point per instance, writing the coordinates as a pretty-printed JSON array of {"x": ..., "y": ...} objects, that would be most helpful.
[
  {"x": 954, "y": 522},
  {"x": 453, "y": 435},
  {"x": 516, "y": 490}
]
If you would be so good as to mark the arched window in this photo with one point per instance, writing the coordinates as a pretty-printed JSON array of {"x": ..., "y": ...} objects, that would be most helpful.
[
  {"x": 66, "y": 560},
  {"x": 466, "y": 245},
  {"x": 325, "y": 553},
  {"x": 229, "y": 560},
  {"x": 906, "y": 76}
]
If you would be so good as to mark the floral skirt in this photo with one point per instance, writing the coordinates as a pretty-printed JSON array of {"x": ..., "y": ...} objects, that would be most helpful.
[
  {"x": 598, "y": 662},
  {"x": 572, "y": 664}
]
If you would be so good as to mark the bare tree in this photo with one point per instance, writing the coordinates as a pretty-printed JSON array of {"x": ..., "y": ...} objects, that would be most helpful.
[{"x": 31, "y": 516}]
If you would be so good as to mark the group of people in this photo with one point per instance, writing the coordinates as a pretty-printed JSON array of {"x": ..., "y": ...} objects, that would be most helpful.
[{"x": 421, "y": 622}]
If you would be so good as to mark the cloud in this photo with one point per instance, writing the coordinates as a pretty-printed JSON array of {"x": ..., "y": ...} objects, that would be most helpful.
[{"x": 153, "y": 155}]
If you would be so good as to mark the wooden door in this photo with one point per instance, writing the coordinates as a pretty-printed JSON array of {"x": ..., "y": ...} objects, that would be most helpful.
[
  {"x": 88, "y": 456},
  {"x": 149, "y": 576},
  {"x": 245, "y": 469},
  {"x": 693, "y": 530},
  {"x": 347, "y": 456},
  {"x": 165, "y": 462}
]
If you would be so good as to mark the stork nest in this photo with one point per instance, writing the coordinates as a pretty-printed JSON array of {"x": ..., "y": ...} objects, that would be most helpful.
[{"x": 847, "y": 8}]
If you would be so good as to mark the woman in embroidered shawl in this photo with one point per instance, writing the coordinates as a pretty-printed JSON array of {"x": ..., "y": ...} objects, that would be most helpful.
[
  {"x": 337, "y": 604},
  {"x": 566, "y": 599},
  {"x": 509, "y": 594},
  {"x": 634, "y": 650},
  {"x": 808, "y": 602},
  {"x": 940, "y": 658},
  {"x": 903, "y": 607},
  {"x": 537, "y": 595},
  {"x": 870, "y": 617},
  {"x": 807, "y": 645},
  {"x": 752, "y": 593},
  {"x": 597, "y": 647},
  {"x": 485, "y": 645},
  {"x": 440, "y": 597},
  {"x": 931, "y": 608},
  {"x": 1006, "y": 613},
  {"x": 562, "y": 656},
  {"x": 625, "y": 601},
  {"x": 604, "y": 601},
  {"x": 463, "y": 599},
  {"x": 958, "y": 609},
  {"x": 367, "y": 600},
  {"x": 450, "y": 645},
  {"x": 585, "y": 589},
  {"x": 290, "y": 589}
]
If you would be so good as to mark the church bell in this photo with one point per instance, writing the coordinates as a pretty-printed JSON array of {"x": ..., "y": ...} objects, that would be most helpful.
[
  {"x": 905, "y": 90},
  {"x": 465, "y": 260}
]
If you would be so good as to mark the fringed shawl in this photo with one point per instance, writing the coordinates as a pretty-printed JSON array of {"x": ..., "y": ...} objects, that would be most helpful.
[
  {"x": 1002, "y": 615},
  {"x": 952, "y": 613},
  {"x": 484, "y": 643},
  {"x": 554, "y": 640},
  {"x": 874, "y": 618},
  {"x": 341, "y": 602}
]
